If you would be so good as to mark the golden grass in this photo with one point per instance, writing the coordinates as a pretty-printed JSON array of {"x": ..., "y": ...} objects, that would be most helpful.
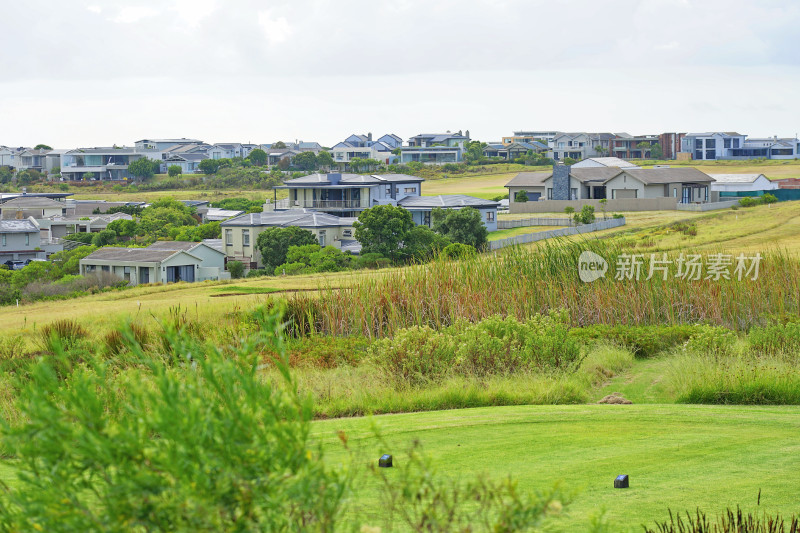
[{"x": 487, "y": 186}]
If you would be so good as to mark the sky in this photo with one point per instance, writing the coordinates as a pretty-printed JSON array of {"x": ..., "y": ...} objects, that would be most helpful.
[{"x": 92, "y": 73}]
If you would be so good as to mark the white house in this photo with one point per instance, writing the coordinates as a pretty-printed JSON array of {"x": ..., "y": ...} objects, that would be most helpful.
[
  {"x": 594, "y": 162},
  {"x": 732, "y": 184}
]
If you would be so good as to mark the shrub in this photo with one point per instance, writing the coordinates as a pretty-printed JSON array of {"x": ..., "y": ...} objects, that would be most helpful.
[
  {"x": 775, "y": 339},
  {"x": 729, "y": 522},
  {"x": 748, "y": 202},
  {"x": 643, "y": 341},
  {"x": 709, "y": 340},
  {"x": 236, "y": 268},
  {"x": 585, "y": 216},
  {"x": 521, "y": 197},
  {"x": 458, "y": 250},
  {"x": 61, "y": 335}
]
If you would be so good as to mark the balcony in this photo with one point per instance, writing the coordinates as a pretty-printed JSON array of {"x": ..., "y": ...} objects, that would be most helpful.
[{"x": 331, "y": 204}]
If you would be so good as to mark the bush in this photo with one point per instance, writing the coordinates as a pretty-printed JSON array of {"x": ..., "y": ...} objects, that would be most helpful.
[
  {"x": 585, "y": 216},
  {"x": 459, "y": 251},
  {"x": 709, "y": 340},
  {"x": 521, "y": 197},
  {"x": 61, "y": 335},
  {"x": 775, "y": 339},
  {"x": 236, "y": 268},
  {"x": 643, "y": 341},
  {"x": 101, "y": 451}
]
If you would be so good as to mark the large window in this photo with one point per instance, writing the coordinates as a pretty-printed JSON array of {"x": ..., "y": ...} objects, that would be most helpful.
[
  {"x": 245, "y": 237},
  {"x": 490, "y": 216},
  {"x": 426, "y": 218},
  {"x": 711, "y": 143},
  {"x": 736, "y": 143},
  {"x": 698, "y": 144},
  {"x": 229, "y": 237},
  {"x": 727, "y": 143}
]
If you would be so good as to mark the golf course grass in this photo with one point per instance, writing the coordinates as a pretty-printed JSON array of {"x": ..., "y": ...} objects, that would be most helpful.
[{"x": 677, "y": 456}]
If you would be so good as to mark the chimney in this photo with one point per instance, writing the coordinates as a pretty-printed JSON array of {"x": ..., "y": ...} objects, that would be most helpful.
[
  {"x": 467, "y": 134},
  {"x": 369, "y": 137}
]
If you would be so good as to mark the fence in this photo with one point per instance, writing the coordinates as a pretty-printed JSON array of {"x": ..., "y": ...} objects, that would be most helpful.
[
  {"x": 712, "y": 206},
  {"x": 562, "y": 232},
  {"x": 525, "y": 222}
]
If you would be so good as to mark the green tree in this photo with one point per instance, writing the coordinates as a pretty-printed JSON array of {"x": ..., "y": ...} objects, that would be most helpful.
[
  {"x": 382, "y": 228},
  {"x": 585, "y": 216},
  {"x": 42, "y": 147},
  {"x": 306, "y": 161},
  {"x": 69, "y": 260},
  {"x": 569, "y": 161},
  {"x": 209, "y": 166},
  {"x": 473, "y": 152},
  {"x": 521, "y": 197},
  {"x": 258, "y": 157},
  {"x": 123, "y": 228},
  {"x": 601, "y": 150},
  {"x": 279, "y": 145},
  {"x": 274, "y": 243},
  {"x": 422, "y": 244},
  {"x": 142, "y": 168},
  {"x": 461, "y": 225},
  {"x": 104, "y": 238},
  {"x": 236, "y": 268},
  {"x": 174, "y": 170},
  {"x": 88, "y": 176},
  {"x": 6, "y": 175},
  {"x": 324, "y": 160},
  {"x": 656, "y": 152},
  {"x": 645, "y": 147},
  {"x": 284, "y": 163}
]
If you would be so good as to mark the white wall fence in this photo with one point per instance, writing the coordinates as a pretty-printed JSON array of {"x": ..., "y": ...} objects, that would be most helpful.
[
  {"x": 526, "y": 222},
  {"x": 561, "y": 232},
  {"x": 713, "y": 206}
]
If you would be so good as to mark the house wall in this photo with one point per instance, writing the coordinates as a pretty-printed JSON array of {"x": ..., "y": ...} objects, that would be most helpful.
[
  {"x": 134, "y": 276},
  {"x": 611, "y": 206},
  {"x": 531, "y": 190},
  {"x": 250, "y": 254},
  {"x": 18, "y": 242},
  {"x": 760, "y": 184},
  {"x": 488, "y": 217},
  {"x": 574, "y": 186},
  {"x": 10, "y": 213}
]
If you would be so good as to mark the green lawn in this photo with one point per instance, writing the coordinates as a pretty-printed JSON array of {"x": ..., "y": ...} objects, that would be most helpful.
[
  {"x": 677, "y": 456},
  {"x": 513, "y": 232}
]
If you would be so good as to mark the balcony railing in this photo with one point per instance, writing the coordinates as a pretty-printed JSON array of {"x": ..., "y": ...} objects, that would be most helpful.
[{"x": 331, "y": 204}]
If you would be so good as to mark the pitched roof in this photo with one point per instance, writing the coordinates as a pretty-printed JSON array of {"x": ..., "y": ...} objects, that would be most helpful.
[
  {"x": 609, "y": 162},
  {"x": 177, "y": 246},
  {"x": 529, "y": 179},
  {"x": 736, "y": 178},
  {"x": 594, "y": 173},
  {"x": 18, "y": 226},
  {"x": 444, "y": 200},
  {"x": 668, "y": 175},
  {"x": 350, "y": 179},
  {"x": 36, "y": 201},
  {"x": 140, "y": 255},
  {"x": 293, "y": 217}
]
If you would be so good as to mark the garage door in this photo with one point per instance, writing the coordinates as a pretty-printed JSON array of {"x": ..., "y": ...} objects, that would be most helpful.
[{"x": 621, "y": 194}]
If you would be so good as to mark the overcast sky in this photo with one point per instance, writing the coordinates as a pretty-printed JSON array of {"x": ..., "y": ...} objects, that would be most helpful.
[{"x": 91, "y": 73}]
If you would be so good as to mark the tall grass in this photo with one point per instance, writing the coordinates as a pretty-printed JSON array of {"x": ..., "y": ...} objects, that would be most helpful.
[{"x": 523, "y": 282}]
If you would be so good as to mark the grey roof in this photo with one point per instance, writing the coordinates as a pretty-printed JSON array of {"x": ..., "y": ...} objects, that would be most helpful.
[
  {"x": 529, "y": 179},
  {"x": 36, "y": 201},
  {"x": 214, "y": 243},
  {"x": 194, "y": 203},
  {"x": 668, "y": 175},
  {"x": 293, "y": 217},
  {"x": 215, "y": 213},
  {"x": 352, "y": 179},
  {"x": 184, "y": 246},
  {"x": 182, "y": 140},
  {"x": 9, "y": 196},
  {"x": 610, "y": 162},
  {"x": 110, "y": 150},
  {"x": 139, "y": 255},
  {"x": 710, "y": 133},
  {"x": 444, "y": 200},
  {"x": 350, "y": 245},
  {"x": 594, "y": 173},
  {"x": 18, "y": 226}
]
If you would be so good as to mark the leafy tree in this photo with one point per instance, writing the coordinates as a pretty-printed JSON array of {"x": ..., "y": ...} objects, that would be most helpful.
[
  {"x": 458, "y": 250},
  {"x": 142, "y": 168},
  {"x": 258, "y": 157},
  {"x": 306, "y": 161},
  {"x": 473, "y": 152},
  {"x": 274, "y": 243},
  {"x": 236, "y": 268},
  {"x": 104, "y": 238},
  {"x": 315, "y": 259},
  {"x": 88, "y": 176},
  {"x": 324, "y": 160},
  {"x": 123, "y": 228},
  {"x": 171, "y": 203},
  {"x": 6, "y": 175},
  {"x": 585, "y": 216},
  {"x": 644, "y": 146},
  {"x": 42, "y": 147},
  {"x": 570, "y": 161},
  {"x": 461, "y": 225},
  {"x": 133, "y": 210},
  {"x": 601, "y": 150},
  {"x": 24, "y": 177},
  {"x": 279, "y": 144},
  {"x": 521, "y": 197},
  {"x": 209, "y": 166},
  {"x": 174, "y": 170},
  {"x": 656, "y": 152},
  {"x": 422, "y": 244},
  {"x": 382, "y": 228},
  {"x": 569, "y": 210},
  {"x": 284, "y": 163}
]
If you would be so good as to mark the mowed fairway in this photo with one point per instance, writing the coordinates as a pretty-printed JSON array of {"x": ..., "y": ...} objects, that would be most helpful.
[
  {"x": 677, "y": 456},
  {"x": 487, "y": 186}
]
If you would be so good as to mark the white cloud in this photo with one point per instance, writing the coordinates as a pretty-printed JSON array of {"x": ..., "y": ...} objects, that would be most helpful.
[
  {"x": 94, "y": 9},
  {"x": 277, "y": 30}
]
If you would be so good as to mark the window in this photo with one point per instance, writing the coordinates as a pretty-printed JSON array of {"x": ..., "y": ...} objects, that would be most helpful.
[
  {"x": 727, "y": 143},
  {"x": 490, "y": 216},
  {"x": 573, "y": 194},
  {"x": 711, "y": 143},
  {"x": 347, "y": 233},
  {"x": 711, "y": 154},
  {"x": 698, "y": 154},
  {"x": 245, "y": 237},
  {"x": 561, "y": 145},
  {"x": 388, "y": 190},
  {"x": 736, "y": 143},
  {"x": 27, "y": 239},
  {"x": 4, "y": 239},
  {"x": 426, "y": 218},
  {"x": 410, "y": 190},
  {"x": 321, "y": 238},
  {"x": 228, "y": 237},
  {"x": 674, "y": 192},
  {"x": 698, "y": 144},
  {"x": 550, "y": 193}
]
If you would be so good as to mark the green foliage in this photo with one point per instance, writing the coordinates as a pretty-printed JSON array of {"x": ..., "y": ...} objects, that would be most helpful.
[
  {"x": 494, "y": 345},
  {"x": 585, "y": 216},
  {"x": 422, "y": 244},
  {"x": 123, "y": 227},
  {"x": 274, "y": 243},
  {"x": 88, "y": 176},
  {"x": 656, "y": 152},
  {"x": 569, "y": 210},
  {"x": 61, "y": 335},
  {"x": 371, "y": 260},
  {"x": 461, "y": 225},
  {"x": 324, "y": 160},
  {"x": 306, "y": 161},
  {"x": 132, "y": 210},
  {"x": 730, "y": 522},
  {"x": 521, "y": 197},
  {"x": 714, "y": 341},
  {"x": 643, "y": 341},
  {"x": 104, "y": 238},
  {"x": 209, "y": 230},
  {"x": 768, "y": 198},
  {"x": 279, "y": 144},
  {"x": 473, "y": 152},
  {"x": 382, "y": 228},
  {"x": 142, "y": 168},
  {"x": 174, "y": 170},
  {"x": 775, "y": 339},
  {"x": 236, "y": 268},
  {"x": 42, "y": 147},
  {"x": 101, "y": 450},
  {"x": 239, "y": 204},
  {"x": 458, "y": 250},
  {"x": 570, "y": 161},
  {"x": 314, "y": 258},
  {"x": 258, "y": 157},
  {"x": 6, "y": 174},
  {"x": 85, "y": 238},
  {"x": 209, "y": 166}
]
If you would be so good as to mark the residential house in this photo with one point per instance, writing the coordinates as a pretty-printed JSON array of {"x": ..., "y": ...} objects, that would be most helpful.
[
  {"x": 102, "y": 164},
  {"x": 20, "y": 240},
  {"x": 226, "y": 151},
  {"x": 583, "y": 183},
  {"x": 421, "y": 207},
  {"x": 594, "y": 162},
  {"x": 530, "y": 137},
  {"x": 161, "y": 262},
  {"x": 162, "y": 145},
  {"x": 712, "y": 145},
  {"x": 276, "y": 155},
  {"x": 32, "y": 160},
  {"x": 240, "y": 234},
  {"x": 627, "y": 146},
  {"x": 8, "y": 157},
  {"x": 530, "y": 182},
  {"x": 348, "y": 194},
  {"x": 733, "y": 185},
  {"x": 769, "y": 148},
  {"x": 26, "y": 206},
  {"x": 189, "y": 163},
  {"x": 435, "y": 148},
  {"x": 688, "y": 185},
  {"x": 512, "y": 151},
  {"x": 580, "y": 145},
  {"x": 364, "y": 147},
  {"x": 215, "y": 214},
  {"x": 670, "y": 144}
]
